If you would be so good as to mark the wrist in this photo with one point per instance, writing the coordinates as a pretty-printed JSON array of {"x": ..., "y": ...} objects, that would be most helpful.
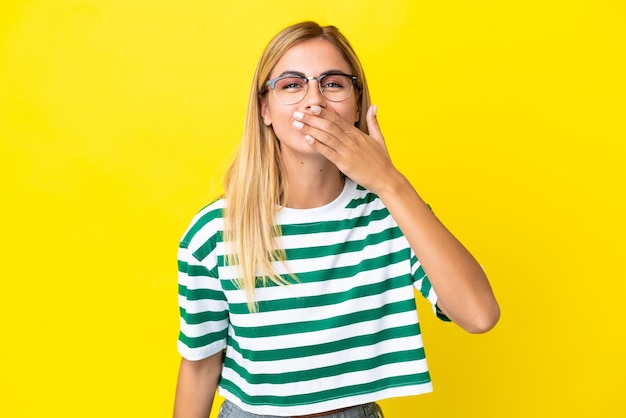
[
  {"x": 398, "y": 192},
  {"x": 393, "y": 184}
]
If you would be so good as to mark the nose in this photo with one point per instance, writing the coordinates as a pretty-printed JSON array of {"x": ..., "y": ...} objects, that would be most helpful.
[{"x": 313, "y": 95}]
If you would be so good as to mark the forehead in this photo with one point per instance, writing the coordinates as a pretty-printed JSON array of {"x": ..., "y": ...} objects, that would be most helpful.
[{"x": 311, "y": 57}]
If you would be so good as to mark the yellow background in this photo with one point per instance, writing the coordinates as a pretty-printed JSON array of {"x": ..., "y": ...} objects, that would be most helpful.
[{"x": 118, "y": 117}]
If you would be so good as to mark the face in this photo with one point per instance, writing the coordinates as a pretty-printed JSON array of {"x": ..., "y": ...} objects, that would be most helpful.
[{"x": 312, "y": 58}]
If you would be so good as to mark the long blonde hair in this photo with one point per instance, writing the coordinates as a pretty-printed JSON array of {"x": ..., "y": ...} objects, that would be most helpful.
[{"x": 255, "y": 183}]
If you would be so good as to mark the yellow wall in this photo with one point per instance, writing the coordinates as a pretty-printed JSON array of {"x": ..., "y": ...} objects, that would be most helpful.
[{"x": 117, "y": 118}]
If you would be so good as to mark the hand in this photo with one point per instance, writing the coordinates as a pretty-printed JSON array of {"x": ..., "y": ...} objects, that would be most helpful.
[
  {"x": 463, "y": 289},
  {"x": 364, "y": 158}
]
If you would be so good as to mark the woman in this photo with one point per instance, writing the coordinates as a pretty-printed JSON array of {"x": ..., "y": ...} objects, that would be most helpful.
[{"x": 296, "y": 288}]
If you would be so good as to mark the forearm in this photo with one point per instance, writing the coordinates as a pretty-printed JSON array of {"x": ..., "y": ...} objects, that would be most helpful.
[
  {"x": 196, "y": 386},
  {"x": 463, "y": 289},
  {"x": 461, "y": 284}
]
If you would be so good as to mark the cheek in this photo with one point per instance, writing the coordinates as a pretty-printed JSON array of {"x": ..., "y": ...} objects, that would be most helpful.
[
  {"x": 281, "y": 124},
  {"x": 350, "y": 114}
]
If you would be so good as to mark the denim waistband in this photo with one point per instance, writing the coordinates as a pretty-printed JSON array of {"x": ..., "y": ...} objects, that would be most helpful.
[{"x": 368, "y": 410}]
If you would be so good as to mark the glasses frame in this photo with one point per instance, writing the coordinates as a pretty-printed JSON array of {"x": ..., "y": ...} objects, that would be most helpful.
[{"x": 272, "y": 84}]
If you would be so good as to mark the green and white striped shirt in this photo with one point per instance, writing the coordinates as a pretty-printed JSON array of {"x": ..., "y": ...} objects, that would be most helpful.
[{"x": 346, "y": 333}]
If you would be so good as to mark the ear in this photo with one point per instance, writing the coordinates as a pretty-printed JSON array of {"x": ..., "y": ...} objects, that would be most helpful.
[{"x": 265, "y": 113}]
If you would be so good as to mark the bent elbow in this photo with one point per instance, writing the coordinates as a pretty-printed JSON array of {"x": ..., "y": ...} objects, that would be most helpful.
[{"x": 484, "y": 322}]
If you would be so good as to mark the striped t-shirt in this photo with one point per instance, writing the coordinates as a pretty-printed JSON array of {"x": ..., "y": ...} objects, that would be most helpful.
[{"x": 345, "y": 333}]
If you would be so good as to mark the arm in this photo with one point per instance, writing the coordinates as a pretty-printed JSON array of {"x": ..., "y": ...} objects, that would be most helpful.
[
  {"x": 197, "y": 383},
  {"x": 465, "y": 295}
]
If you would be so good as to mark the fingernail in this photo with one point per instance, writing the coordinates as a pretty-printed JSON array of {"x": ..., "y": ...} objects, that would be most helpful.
[
  {"x": 375, "y": 109},
  {"x": 298, "y": 125},
  {"x": 298, "y": 114},
  {"x": 316, "y": 110},
  {"x": 309, "y": 139}
]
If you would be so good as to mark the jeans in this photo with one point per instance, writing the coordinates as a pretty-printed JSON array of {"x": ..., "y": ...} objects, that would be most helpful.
[{"x": 369, "y": 410}]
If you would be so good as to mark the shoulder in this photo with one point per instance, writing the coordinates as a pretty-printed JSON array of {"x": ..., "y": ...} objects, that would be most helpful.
[{"x": 206, "y": 223}]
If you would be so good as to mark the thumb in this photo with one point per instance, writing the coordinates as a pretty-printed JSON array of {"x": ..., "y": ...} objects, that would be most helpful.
[{"x": 372, "y": 123}]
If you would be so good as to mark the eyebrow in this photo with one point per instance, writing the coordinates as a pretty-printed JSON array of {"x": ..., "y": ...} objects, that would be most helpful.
[{"x": 298, "y": 73}]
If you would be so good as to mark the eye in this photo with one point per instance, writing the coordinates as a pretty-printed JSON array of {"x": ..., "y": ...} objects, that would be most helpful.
[
  {"x": 290, "y": 83},
  {"x": 335, "y": 82}
]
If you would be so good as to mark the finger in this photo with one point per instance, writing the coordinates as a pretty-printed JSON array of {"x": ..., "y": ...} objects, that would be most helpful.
[
  {"x": 321, "y": 139},
  {"x": 321, "y": 134},
  {"x": 323, "y": 120},
  {"x": 330, "y": 153},
  {"x": 372, "y": 124}
]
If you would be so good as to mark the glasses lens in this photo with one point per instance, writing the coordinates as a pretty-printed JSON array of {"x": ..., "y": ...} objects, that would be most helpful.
[
  {"x": 290, "y": 90},
  {"x": 336, "y": 87}
]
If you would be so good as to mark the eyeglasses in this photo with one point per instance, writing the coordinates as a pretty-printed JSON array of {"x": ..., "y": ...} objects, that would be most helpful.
[{"x": 291, "y": 88}]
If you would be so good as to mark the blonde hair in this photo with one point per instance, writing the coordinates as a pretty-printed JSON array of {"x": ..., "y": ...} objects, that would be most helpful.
[{"x": 255, "y": 184}]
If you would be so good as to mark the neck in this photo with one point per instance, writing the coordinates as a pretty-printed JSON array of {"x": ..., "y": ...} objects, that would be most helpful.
[{"x": 313, "y": 182}]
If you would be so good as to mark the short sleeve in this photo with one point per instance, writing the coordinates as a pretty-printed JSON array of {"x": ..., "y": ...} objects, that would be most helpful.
[
  {"x": 422, "y": 284},
  {"x": 202, "y": 305}
]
